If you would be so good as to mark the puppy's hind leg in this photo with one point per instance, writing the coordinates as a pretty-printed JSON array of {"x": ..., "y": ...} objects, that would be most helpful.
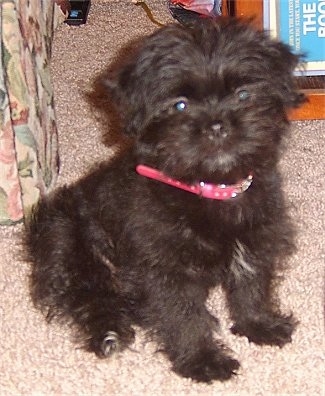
[{"x": 72, "y": 278}]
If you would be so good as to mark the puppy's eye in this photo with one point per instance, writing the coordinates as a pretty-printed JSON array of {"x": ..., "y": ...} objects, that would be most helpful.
[
  {"x": 243, "y": 94},
  {"x": 181, "y": 104}
]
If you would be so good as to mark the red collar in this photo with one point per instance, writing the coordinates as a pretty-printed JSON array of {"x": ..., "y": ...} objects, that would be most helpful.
[{"x": 206, "y": 190}]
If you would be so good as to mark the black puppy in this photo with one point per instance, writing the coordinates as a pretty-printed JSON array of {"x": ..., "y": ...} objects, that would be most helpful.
[{"x": 195, "y": 201}]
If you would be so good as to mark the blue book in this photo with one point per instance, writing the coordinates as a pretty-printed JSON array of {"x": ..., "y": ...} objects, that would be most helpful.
[{"x": 301, "y": 24}]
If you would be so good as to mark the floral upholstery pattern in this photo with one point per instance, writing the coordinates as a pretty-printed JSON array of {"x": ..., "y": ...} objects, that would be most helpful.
[{"x": 28, "y": 133}]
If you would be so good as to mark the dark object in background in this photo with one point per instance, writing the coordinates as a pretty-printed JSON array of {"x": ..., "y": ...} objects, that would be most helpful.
[{"x": 78, "y": 13}]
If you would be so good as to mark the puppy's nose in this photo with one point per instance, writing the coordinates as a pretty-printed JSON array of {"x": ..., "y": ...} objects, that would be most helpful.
[
  {"x": 216, "y": 127},
  {"x": 218, "y": 130}
]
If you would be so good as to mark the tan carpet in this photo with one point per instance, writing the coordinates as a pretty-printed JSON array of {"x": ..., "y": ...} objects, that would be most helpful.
[{"x": 37, "y": 359}]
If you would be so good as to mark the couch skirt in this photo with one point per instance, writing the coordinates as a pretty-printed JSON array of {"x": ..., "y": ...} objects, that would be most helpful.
[{"x": 28, "y": 132}]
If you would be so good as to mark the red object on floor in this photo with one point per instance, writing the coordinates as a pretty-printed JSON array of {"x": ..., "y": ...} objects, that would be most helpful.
[{"x": 202, "y": 7}]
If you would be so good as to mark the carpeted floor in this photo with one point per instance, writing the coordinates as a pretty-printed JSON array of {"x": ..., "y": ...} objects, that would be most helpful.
[{"x": 37, "y": 359}]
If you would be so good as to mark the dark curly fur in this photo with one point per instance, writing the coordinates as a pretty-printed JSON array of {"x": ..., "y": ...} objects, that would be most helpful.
[{"x": 117, "y": 249}]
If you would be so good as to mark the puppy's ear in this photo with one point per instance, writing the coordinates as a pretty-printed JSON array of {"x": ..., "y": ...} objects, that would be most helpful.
[
  {"x": 121, "y": 85},
  {"x": 283, "y": 64}
]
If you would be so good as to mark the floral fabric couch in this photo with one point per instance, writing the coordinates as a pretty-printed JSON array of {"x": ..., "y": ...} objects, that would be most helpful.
[{"x": 28, "y": 133}]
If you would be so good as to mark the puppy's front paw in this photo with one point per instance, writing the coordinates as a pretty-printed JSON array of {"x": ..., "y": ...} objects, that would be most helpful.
[
  {"x": 272, "y": 330},
  {"x": 207, "y": 366}
]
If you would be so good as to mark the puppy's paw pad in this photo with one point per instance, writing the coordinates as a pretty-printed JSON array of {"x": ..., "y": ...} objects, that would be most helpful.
[
  {"x": 275, "y": 330},
  {"x": 210, "y": 366},
  {"x": 110, "y": 343}
]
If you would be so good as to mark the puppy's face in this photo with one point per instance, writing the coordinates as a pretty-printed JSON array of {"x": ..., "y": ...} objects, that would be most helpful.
[{"x": 206, "y": 102}]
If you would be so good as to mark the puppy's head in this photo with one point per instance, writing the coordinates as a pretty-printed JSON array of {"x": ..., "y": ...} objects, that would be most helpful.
[{"x": 206, "y": 102}]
